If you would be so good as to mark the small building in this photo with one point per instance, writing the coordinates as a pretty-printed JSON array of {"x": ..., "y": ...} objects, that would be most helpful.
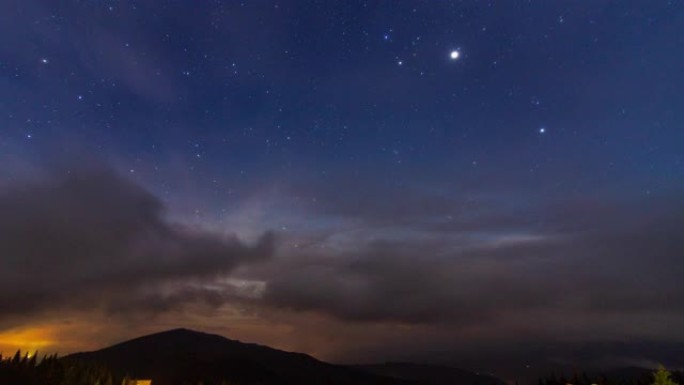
[{"x": 130, "y": 381}]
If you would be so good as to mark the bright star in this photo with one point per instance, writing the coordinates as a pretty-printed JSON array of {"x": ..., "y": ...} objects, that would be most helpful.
[
  {"x": 44, "y": 61},
  {"x": 454, "y": 55},
  {"x": 542, "y": 130}
]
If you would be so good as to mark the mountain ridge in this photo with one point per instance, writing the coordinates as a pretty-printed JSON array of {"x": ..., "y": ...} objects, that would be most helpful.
[
  {"x": 430, "y": 374},
  {"x": 183, "y": 356}
]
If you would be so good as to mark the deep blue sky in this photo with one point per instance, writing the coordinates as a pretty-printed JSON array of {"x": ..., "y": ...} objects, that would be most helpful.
[{"x": 345, "y": 127}]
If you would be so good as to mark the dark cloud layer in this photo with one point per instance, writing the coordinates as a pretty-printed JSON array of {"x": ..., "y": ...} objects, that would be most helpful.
[
  {"x": 91, "y": 238},
  {"x": 587, "y": 259}
]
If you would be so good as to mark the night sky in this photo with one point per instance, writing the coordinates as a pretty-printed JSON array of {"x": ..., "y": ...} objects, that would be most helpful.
[{"x": 361, "y": 181}]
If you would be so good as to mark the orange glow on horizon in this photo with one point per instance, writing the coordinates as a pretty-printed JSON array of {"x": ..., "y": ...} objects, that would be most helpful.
[{"x": 27, "y": 340}]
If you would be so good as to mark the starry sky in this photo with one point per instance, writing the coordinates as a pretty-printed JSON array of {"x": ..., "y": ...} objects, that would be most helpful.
[{"x": 360, "y": 181}]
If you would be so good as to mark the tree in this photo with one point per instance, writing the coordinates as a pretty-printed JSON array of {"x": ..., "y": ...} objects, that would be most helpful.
[
  {"x": 33, "y": 359},
  {"x": 662, "y": 377}
]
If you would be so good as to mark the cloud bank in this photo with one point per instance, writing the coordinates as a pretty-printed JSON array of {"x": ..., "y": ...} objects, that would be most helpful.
[{"x": 90, "y": 238}]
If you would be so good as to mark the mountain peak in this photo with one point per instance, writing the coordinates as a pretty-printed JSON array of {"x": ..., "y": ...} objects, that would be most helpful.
[
  {"x": 182, "y": 332},
  {"x": 179, "y": 356},
  {"x": 180, "y": 338}
]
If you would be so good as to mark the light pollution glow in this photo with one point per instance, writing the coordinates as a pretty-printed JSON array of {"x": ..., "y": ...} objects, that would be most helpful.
[{"x": 27, "y": 340}]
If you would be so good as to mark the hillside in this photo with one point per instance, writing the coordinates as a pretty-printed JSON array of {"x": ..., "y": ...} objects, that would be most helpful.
[{"x": 187, "y": 357}]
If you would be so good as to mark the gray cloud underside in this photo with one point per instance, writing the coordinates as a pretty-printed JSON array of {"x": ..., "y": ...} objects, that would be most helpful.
[
  {"x": 91, "y": 238},
  {"x": 587, "y": 258}
]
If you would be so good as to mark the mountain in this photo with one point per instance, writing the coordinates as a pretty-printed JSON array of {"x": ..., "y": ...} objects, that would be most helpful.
[
  {"x": 186, "y": 357},
  {"x": 182, "y": 356},
  {"x": 526, "y": 362},
  {"x": 430, "y": 374},
  {"x": 631, "y": 374}
]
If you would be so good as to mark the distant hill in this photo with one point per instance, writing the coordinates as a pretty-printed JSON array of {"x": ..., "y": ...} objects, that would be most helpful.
[
  {"x": 186, "y": 357},
  {"x": 635, "y": 375},
  {"x": 430, "y": 374},
  {"x": 631, "y": 375},
  {"x": 179, "y": 357}
]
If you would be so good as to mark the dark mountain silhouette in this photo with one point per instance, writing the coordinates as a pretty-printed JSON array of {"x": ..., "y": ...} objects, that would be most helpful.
[
  {"x": 183, "y": 356},
  {"x": 430, "y": 374}
]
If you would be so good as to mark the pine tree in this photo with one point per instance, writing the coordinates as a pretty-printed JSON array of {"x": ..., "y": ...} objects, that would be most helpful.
[
  {"x": 32, "y": 360},
  {"x": 662, "y": 377}
]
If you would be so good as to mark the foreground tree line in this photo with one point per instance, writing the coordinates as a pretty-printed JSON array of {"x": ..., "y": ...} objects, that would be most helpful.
[
  {"x": 27, "y": 369},
  {"x": 660, "y": 377}
]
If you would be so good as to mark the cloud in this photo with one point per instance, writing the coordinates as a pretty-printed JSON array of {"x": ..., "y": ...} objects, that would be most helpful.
[
  {"x": 593, "y": 262},
  {"x": 399, "y": 282},
  {"x": 91, "y": 238}
]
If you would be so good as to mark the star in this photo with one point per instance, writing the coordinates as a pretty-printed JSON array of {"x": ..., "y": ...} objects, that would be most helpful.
[
  {"x": 542, "y": 130},
  {"x": 44, "y": 61},
  {"x": 454, "y": 55}
]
